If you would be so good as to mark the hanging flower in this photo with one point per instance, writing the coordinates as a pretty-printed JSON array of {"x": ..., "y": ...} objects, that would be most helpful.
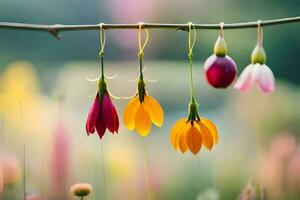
[
  {"x": 102, "y": 113},
  {"x": 190, "y": 133},
  {"x": 142, "y": 110},
  {"x": 257, "y": 72},
  {"x": 220, "y": 69}
]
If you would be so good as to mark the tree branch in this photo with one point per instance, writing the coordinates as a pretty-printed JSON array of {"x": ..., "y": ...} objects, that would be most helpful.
[{"x": 57, "y": 28}]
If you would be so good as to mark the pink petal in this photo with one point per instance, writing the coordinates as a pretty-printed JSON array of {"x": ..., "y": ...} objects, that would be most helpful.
[
  {"x": 100, "y": 126},
  {"x": 92, "y": 116},
  {"x": 246, "y": 79},
  {"x": 116, "y": 120},
  {"x": 108, "y": 114},
  {"x": 265, "y": 79}
]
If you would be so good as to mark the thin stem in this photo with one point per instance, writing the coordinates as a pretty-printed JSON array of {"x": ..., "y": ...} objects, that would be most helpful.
[
  {"x": 103, "y": 171},
  {"x": 24, "y": 172},
  {"x": 192, "y": 80},
  {"x": 191, "y": 44},
  {"x": 141, "y": 68},
  {"x": 259, "y": 34},
  {"x": 102, "y": 67},
  {"x": 147, "y": 170}
]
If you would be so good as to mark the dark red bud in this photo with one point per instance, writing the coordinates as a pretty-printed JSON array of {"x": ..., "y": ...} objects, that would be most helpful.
[{"x": 220, "y": 71}]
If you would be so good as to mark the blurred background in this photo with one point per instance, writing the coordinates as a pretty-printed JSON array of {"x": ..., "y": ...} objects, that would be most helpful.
[{"x": 45, "y": 98}]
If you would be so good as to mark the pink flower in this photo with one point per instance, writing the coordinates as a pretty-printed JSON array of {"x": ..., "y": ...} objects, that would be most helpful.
[
  {"x": 102, "y": 115},
  {"x": 11, "y": 170},
  {"x": 259, "y": 74},
  {"x": 60, "y": 160}
]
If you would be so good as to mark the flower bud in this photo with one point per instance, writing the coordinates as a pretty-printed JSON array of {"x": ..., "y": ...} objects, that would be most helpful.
[
  {"x": 258, "y": 55},
  {"x": 220, "y": 48},
  {"x": 220, "y": 71}
]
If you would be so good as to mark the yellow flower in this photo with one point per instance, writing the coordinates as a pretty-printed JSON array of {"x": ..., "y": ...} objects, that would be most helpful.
[
  {"x": 191, "y": 133},
  {"x": 141, "y": 111}
]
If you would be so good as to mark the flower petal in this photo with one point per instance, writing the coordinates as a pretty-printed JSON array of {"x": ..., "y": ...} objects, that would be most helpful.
[
  {"x": 108, "y": 114},
  {"x": 116, "y": 118},
  {"x": 93, "y": 116},
  {"x": 265, "y": 79},
  {"x": 207, "y": 137},
  {"x": 193, "y": 139},
  {"x": 155, "y": 110},
  {"x": 212, "y": 128},
  {"x": 100, "y": 127},
  {"x": 129, "y": 113},
  {"x": 245, "y": 80},
  {"x": 176, "y": 130},
  {"x": 142, "y": 120},
  {"x": 182, "y": 143}
]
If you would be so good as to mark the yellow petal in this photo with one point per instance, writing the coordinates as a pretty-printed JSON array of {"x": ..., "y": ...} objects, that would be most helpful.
[
  {"x": 155, "y": 110},
  {"x": 182, "y": 144},
  {"x": 207, "y": 137},
  {"x": 128, "y": 115},
  {"x": 194, "y": 139},
  {"x": 176, "y": 131},
  {"x": 212, "y": 128},
  {"x": 142, "y": 121}
]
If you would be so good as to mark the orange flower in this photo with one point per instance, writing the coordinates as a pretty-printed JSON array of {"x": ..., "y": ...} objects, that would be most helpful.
[
  {"x": 191, "y": 133},
  {"x": 141, "y": 111}
]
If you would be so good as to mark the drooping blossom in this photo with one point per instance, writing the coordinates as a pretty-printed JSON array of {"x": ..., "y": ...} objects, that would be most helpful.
[
  {"x": 102, "y": 114},
  {"x": 142, "y": 110},
  {"x": 11, "y": 170},
  {"x": 60, "y": 160},
  {"x": 81, "y": 189},
  {"x": 220, "y": 69},
  {"x": 190, "y": 133},
  {"x": 256, "y": 73}
]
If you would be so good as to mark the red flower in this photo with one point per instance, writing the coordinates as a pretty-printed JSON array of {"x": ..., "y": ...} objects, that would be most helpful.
[{"x": 102, "y": 113}]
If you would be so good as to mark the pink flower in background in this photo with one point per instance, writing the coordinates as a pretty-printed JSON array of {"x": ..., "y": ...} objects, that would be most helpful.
[
  {"x": 279, "y": 170},
  {"x": 34, "y": 197},
  {"x": 60, "y": 160},
  {"x": 11, "y": 170},
  {"x": 258, "y": 74},
  {"x": 1, "y": 183},
  {"x": 131, "y": 11},
  {"x": 293, "y": 170},
  {"x": 102, "y": 115}
]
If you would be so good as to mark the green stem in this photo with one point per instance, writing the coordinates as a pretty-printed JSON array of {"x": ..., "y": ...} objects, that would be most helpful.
[
  {"x": 141, "y": 67},
  {"x": 103, "y": 171},
  {"x": 24, "y": 173},
  {"x": 147, "y": 170},
  {"x": 102, "y": 65},
  {"x": 191, "y": 80}
]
